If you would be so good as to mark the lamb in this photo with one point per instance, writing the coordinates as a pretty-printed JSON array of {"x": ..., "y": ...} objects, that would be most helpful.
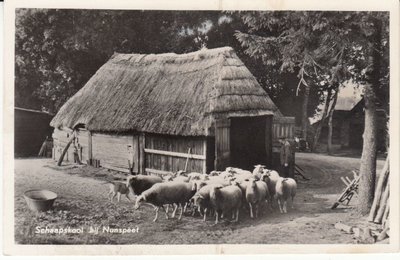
[
  {"x": 285, "y": 188},
  {"x": 140, "y": 183},
  {"x": 226, "y": 199},
  {"x": 256, "y": 193},
  {"x": 117, "y": 189},
  {"x": 166, "y": 193}
]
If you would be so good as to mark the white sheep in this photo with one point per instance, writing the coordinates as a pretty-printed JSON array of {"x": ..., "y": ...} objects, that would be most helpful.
[
  {"x": 258, "y": 171},
  {"x": 195, "y": 176},
  {"x": 215, "y": 173},
  {"x": 226, "y": 199},
  {"x": 256, "y": 193},
  {"x": 202, "y": 199},
  {"x": 285, "y": 189},
  {"x": 160, "y": 194},
  {"x": 270, "y": 177}
]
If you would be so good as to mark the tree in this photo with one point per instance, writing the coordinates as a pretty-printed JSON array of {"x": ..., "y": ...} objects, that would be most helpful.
[
  {"x": 58, "y": 50},
  {"x": 371, "y": 67},
  {"x": 299, "y": 42},
  {"x": 330, "y": 44}
]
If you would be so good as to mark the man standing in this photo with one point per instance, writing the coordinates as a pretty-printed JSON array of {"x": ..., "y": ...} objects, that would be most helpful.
[{"x": 285, "y": 157}]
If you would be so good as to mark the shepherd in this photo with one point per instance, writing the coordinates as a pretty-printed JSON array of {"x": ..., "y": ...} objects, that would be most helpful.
[{"x": 285, "y": 157}]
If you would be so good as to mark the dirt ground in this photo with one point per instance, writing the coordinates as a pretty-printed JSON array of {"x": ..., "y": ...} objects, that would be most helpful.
[{"x": 82, "y": 203}]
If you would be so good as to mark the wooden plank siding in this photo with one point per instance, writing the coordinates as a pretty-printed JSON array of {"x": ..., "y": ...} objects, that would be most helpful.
[
  {"x": 83, "y": 141},
  {"x": 283, "y": 126},
  {"x": 60, "y": 140},
  {"x": 169, "y": 154},
  {"x": 114, "y": 151}
]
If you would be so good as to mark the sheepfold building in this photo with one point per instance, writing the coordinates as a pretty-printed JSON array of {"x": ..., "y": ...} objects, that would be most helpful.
[{"x": 160, "y": 113}]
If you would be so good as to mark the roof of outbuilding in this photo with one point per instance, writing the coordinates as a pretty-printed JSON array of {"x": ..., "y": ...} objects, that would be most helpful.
[{"x": 178, "y": 94}]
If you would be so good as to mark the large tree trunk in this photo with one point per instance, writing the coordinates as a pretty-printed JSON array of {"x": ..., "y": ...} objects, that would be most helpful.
[
  {"x": 304, "y": 119},
  {"x": 330, "y": 123},
  {"x": 322, "y": 121},
  {"x": 368, "y": 157},
  {"x": 369, "y": 153}
]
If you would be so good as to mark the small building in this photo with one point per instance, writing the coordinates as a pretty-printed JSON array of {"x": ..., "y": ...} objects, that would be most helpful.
[
  {"x": 348, "y": 126},
  {"x": 167, "y": 112},
  {"x": 31, "y": 129}
]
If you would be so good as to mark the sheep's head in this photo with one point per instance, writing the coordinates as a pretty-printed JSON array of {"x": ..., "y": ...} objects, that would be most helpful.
[
  {"x": 196, "y": 199},
  {"x": 139, "y": 199},
  {"x": 259, "y": 168},
  {"x": 130, "y": 179},
  {"x": 265, "y": 177}
]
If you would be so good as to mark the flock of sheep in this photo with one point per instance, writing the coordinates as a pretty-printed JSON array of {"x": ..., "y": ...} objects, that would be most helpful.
[{"x": 223, "y": 194}]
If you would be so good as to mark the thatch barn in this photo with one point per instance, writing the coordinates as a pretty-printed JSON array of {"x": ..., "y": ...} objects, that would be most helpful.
[{"x": 167, "y": 112}]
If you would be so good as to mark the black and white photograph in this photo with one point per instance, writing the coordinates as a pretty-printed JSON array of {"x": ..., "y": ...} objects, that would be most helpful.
[{"x": 200, "y": 127}]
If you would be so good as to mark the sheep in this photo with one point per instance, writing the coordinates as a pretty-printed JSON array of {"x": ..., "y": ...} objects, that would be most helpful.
[
  {"x": 226, "y": 199},
  {"x": 202, "y": 199},
  {"x": 256, "y": 193},
  {"x": 225, "y": 175},
  {"x": 218, "y": 180},
  {"x": 258, "y": 171},
  {"x": 166, "y": 193},
  {"x": 195, "y": 176},
  {"x": 180, "y": 178},
  {"x": 270, "y": 177},
  {"x": 242, "y": 177},
  {"x": 234, "y": 170},
  {"x": 215, "y": 173},
  {"x": 285, "y": 188},
  {"x": 140, "y": 183}
]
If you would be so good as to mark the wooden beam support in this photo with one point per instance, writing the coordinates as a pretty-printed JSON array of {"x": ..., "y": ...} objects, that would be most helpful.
[
  {"x": 175, "y": 154},
  {"x": 158, "y": 172}
]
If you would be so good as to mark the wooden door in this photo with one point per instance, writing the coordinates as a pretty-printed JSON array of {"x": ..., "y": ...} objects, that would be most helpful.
[{"x": 222, "y": 144}]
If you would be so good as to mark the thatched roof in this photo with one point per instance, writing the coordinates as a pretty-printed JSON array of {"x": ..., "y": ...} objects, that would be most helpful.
[{"x": 166, "y": 94}]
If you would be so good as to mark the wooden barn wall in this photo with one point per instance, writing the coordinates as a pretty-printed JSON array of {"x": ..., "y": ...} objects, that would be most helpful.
[
  {"x": 284, "y": 128},
  {"x": 114, "y": 151},
  {"x": 175, "y": 151},
  {"x": 83, "y": 147},
  {"x": 60, "y": 140},
  {"x": 30, "y": 131}
]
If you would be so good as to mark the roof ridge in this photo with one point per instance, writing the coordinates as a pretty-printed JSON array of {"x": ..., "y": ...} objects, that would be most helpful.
[{"x": 176, "y": 55}]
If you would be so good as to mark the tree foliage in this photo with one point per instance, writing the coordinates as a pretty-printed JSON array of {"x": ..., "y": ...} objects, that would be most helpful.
[{"x": 58, "y": 50}]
